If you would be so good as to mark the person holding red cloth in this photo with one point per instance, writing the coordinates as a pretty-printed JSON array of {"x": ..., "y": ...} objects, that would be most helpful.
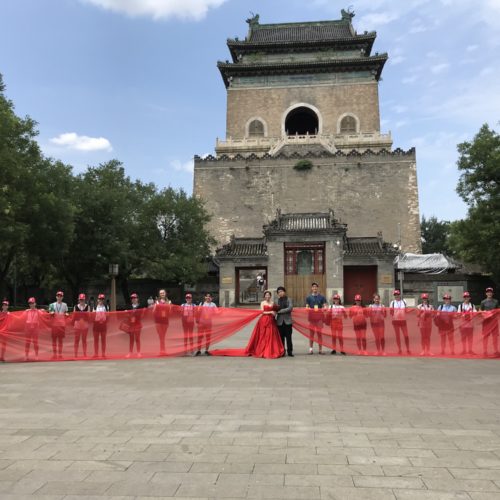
[
  {"x": 59, "y": 311},
  {"x": 135, "y": 314},
  {"x": 358, "y": 314},
  {"x": 100, "y": 328},
  {"x": 161, "y": 313},
  {"x": 424, "y": 322},
  {"x": 4, "y": 319},
  {"x": 31, "y": 328},
  {"x": 81, "y": 324}
]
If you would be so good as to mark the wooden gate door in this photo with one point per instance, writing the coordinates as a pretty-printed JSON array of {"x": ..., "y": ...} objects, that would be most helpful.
[
  {"x": 298, "y": 287},
  {"x": 359, "y": 279}
]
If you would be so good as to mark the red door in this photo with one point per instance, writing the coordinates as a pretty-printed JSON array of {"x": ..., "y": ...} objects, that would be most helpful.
[{"x": 362, "y": 280}]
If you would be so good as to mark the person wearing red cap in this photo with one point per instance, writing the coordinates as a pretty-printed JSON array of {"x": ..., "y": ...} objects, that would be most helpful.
[
  {"x": 135, "y": 314},
  {"x": 4, "y": 322},
  {"x": 205, "y": 313},
  {"x": 358, "y": 314},
  {"x": 466, "y": 310},
  {"x": 31, "y": 328},
  {"x": 59, "y": 311},
  {"x": 378, "y": 314},
  {"x": 445, "y": 324},
  {"x": 490, "y": 321},
  {"x": 100, "y": 328},
  {"x": 81, "y": 324},
  {"x": 161, "y": 313},
  {"x": 424, "y": 322},
  {"x": 397, "y": 308},
  {"x": 188, "y": 314},
  {"x": 337, "y": 315}
]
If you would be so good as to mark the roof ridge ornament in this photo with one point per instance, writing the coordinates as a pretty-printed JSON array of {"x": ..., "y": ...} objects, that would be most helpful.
[
  {"x": 254, "y": 20},
  {"x": 347, "y": 15}
]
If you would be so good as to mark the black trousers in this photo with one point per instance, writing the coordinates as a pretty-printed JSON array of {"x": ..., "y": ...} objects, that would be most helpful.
[{"x": 286, "y": 335}]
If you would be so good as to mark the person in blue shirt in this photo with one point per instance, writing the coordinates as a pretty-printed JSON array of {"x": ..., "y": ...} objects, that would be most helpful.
[
  {"x": 316, "y": 303},
  {"x": 445, "y": 324}
]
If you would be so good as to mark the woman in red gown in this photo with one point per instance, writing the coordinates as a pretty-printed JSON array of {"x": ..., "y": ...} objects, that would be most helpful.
[{"x": 265, "y": 341}]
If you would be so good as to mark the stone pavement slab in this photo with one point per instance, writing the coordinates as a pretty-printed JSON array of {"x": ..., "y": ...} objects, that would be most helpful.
[{"x": 311, "y": 427}]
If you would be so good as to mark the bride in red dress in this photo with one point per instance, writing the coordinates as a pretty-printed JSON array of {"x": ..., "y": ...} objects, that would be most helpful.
[{"x": 265, "y": 341}]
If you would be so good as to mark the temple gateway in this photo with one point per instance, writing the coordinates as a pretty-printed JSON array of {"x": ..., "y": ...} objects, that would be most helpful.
[{"x": 305, "y": 187}]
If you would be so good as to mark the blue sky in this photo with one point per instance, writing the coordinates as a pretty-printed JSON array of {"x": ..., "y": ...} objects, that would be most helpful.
[{"x": 137, "y": 79}]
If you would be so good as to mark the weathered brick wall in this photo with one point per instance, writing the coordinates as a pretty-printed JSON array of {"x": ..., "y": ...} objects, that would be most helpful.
[
  {"x": 332, "y": 101},
  {"x": 370, "y": 193}
]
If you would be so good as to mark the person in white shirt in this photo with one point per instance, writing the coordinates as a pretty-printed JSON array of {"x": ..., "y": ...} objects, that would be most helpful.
[
  {"x": 425, "y": 316},
  {"x": 161, "y": 314},
  {"x": 398, "y": 313},
  {"x": 4, "y": 323},
  {"x": 205, "y": 314},
  {"x": 81, "y": 324},
  {"x": 466, "y": 308},
  {"x": 337, "y": 315},
  {"x": 59, "y": 311}
]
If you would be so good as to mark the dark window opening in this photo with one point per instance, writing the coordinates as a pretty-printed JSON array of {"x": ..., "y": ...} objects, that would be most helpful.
[
  {"x": 301, "y": 121},
  {"x": 348, "y": 125},
  {"x": 256, "y": 129}
]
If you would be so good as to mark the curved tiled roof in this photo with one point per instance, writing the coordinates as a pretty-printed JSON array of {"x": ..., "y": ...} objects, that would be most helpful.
[
  {"x": 368, "y": 246},
  {"x": 315, "y": 31},
  {"x": 304, "y": 222},
  {"x": 243, "y": 247}
]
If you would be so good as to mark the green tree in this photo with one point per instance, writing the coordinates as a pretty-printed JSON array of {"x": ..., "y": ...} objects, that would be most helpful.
[
  {"x": 435, "y": 235},
  {"x": 35, "y": 206},
  {"x": 180, "y": 240},
  {"x": 477, "y": 238}
]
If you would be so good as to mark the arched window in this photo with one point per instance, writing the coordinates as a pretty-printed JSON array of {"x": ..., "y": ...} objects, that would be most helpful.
[
  {"x": 301, "y": 121},
  {"x": 256, "y": 129},
  {"x": 348, "y": 125}
]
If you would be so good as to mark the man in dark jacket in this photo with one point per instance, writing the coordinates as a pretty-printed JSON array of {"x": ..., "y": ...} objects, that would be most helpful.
[{"x": 284, "y": 319}]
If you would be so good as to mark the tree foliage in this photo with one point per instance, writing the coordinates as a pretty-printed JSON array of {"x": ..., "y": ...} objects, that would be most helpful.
[
  {"x": 477, "y": 237},
  {"x": 61, "y": 228},
  {"x": 435, "y": 235}
]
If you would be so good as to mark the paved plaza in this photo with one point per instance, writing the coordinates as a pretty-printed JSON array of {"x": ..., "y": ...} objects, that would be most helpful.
[{"x": 310, "y": 427}]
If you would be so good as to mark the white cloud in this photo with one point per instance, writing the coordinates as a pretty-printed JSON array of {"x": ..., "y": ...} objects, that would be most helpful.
[
  {"x": 71, "y": 140},
  {"x": 374, "y": 20},
  {"x": 159, "y": 9},
  {"x": 439, "y": 68},
  {"x": 186, "y": 166},
  {"x": 410, "y": 79},
  {"x": 471, "y": 48}
]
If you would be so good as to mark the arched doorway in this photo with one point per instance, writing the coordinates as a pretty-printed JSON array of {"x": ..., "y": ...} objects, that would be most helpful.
[{"x": 301, "y": 121}]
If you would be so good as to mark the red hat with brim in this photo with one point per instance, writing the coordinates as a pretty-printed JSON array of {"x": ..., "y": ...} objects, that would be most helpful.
[
  {"x": 489, "y": 289},
  {"x": 101, "y": 296},
  {"x": 424, "y": 296},
  {"x": 396, "y": 292},
  {"x": 357, "y": 297},
  {"x": 5, "y": 302},
  {"x": 466, "y": 294},
  {"x": 81, "y": 296},
  {"x": 447, "y": 296},
  {"x": 134, "y": 296},
  {"x": 60, "y": 293},
  {"x": 336, "y": 297},
  {"x": 189, "y": 296},
  {"x": 32, "y": 300}
]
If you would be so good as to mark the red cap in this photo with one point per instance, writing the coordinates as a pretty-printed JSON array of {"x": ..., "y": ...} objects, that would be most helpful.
[
  {"x": 60, "y": 293},
  {"x": 466, "y": 294},
  {"x": 396, "y": 292},
  {"x": 489, "y": 289},
  {"x": 424, "y": 296},
  {"x": 134, "y": 296},
  {"x": 189, "y": 296},
  {"x": 446, "y": 296},
  {"x": 357, "y": 297},
  {"x": 101, "y": 296},
  {"x": 81, "y": 296},
  {"x": 336, "y": 297},
  {"x": 32, "y": 300},
  {"x": 5, "y": 302}
]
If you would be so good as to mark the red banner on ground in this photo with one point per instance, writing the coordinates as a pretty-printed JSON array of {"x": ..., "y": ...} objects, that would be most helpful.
[{"x": 35, "y": 335}]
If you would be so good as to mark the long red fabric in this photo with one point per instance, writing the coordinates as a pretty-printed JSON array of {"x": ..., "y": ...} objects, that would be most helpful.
[{"x": 36, "y": 336}]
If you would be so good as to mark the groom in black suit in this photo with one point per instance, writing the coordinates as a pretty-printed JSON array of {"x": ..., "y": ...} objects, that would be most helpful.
[{"x": 284, "y": 319}]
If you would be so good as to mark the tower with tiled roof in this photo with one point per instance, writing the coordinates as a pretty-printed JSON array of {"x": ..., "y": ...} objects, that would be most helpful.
[{"x": 303, "y": 135}]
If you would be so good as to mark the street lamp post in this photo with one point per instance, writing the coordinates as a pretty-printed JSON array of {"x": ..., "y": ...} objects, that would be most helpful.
[{"x": 113, "y": 271}]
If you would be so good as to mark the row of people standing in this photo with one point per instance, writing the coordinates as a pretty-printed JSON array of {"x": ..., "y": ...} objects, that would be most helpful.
[
  {"x": 85, "y": 317},
  {"x": 320, "y": 313}
]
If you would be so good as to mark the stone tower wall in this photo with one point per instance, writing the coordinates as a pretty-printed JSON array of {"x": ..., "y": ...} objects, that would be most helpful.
[
  {"x": 332, "y": 101},
  {"x": 369, "y": 192}
]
